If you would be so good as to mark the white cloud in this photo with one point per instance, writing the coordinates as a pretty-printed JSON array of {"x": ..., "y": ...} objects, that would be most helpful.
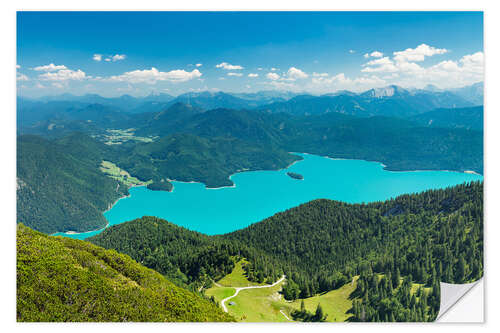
[
  {"x": 404, "y": 70},
  {"x": 272, "y": 76},
  {"x": 18, "y": 67},
  {"x": 253, "y": 75},
  {"x": 116, "y": 57},
  {"x": 473, "y": 62},
  {"x": 199, "y": 65},
  {"x": 324, "y": 84},
  {"x": 417, "y": 54},
  {"x": 21, "y": 77},
  {"x": 151, "y": 76},
  {"x": 280, "y": 85},
  {"x": 352, "y": 51},
  {"x": 273, "y": 69},
  {"x": 295, "y": 73},
  {"x": 63, "y": 75},
  {"x": 379, "y": 65},
  {"x": 374, "y": 54},
  {"x": 320, "y": 74},
  {"x": 128, "y": 88},
  {"x": 97, "y": 57},
  {"x": 447, "y": 74},
  {"x": 260, "y": 69},
  {"x": 225, "y": 65},
  {"x": 49, "y": 68},
  {"x": 234, "y": 74}
]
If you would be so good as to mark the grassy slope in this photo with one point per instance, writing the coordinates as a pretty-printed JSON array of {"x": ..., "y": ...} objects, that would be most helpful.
[
  {"x": 264, "y": 305},
  {"x": 257, "y": 305},
  {"x": 237, "y": 277},
  {"x": 63, "y": 279},
  {"x": 116, "y": 173},
  {"x": 335, "y": 303},
  {"x": 219, "y": 293}
]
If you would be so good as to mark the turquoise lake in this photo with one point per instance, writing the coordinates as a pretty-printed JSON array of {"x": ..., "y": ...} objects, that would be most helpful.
[{"x": 260, "y": 194}]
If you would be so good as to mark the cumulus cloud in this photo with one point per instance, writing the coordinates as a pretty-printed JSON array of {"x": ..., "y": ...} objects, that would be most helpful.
[
  {"x": 272, "y": 76},
  {"x": 225, "y": 65},
  {"x": 374, "y": 54},
  {"x": 253, "y": 75},
  {"x": 63, "y": 75},
  {"x": 115, "y": 57},
  {"x": 97, "y": 57},
  {"x": 417, "y": 54},
  {"x": 49, "y": 68},
  {"x": 273, "y": 69},
  {"x": 320, "y": 74},
  {"x": 295, "y": 73},
  {"x": 403, "y": 68},
  {"x": 199, "y": 65},
  {"x": 151, "y": 76},
  {"x": 234, "y": 74},
  {"x": 469, "y": 69},
  {"x": 324, "y": 84},
  {"x": 379, "y": 65}
]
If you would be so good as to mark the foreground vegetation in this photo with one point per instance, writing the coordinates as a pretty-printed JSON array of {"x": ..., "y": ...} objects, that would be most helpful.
[
  {"x": 413, "y": 239},
  {"x": 63, "y": 279}
]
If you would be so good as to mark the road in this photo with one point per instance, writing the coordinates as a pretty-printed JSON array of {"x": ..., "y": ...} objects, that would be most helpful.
[{"x": 223, "y": 302}]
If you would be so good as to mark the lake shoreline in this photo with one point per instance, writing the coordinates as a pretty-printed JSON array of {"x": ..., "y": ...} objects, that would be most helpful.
[
  {"x": 234, "y": 186},
  {"x": 110, "y": 206}
]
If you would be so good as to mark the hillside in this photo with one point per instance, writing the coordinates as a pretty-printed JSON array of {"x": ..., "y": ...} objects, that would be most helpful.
[
  {"x": 187, "y": 157},
  {"x": 399, "y": 144},
  {"x": 468, "y": 118},
  {"x": 66, "y": 280},
  {"x": 321, "y": 245},
  {"x": 60, "y": 186}
]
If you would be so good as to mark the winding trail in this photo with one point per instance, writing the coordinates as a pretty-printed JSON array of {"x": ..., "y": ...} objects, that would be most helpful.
[
  {"x": 223, "y": 302},
  {"x": 285, "y": 315}
]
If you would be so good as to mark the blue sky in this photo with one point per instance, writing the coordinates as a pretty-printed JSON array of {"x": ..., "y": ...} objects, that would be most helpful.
[{"x": 115, "y": 53}]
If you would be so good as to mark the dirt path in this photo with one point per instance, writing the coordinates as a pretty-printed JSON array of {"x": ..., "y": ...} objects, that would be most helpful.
[
  {"x": 223, "y": 302},
  {"x": 285, "y": 315}
]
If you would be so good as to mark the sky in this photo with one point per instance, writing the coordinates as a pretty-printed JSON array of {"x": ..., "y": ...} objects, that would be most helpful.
[{"x": 139, "y": 53}]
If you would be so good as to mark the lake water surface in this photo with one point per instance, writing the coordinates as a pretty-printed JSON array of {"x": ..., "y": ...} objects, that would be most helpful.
[{"x": 260, "y": 194}]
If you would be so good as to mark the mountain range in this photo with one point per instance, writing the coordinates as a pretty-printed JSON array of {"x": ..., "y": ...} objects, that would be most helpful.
[{"x": 389, "y": 101}]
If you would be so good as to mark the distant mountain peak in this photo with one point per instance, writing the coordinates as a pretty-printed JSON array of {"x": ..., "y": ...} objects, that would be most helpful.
[
  {"x": 433, "y": 88},
  {"x": 388, "y": 91}
]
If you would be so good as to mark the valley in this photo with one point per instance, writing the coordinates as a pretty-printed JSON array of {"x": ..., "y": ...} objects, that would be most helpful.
[{"x": 243, "y": 227}]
